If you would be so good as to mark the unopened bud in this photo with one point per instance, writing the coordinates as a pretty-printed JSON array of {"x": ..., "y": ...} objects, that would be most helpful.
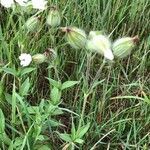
[
  {"x": 32, "y": 24},
  {"x": 76, "y": 37},
  {"x": 123, "y": 47},
  {"x": 54, "y": 18},
  {"x": 39, "y": 58}
]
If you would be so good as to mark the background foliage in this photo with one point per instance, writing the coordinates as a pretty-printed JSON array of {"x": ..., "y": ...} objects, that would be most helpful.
[{"x": 43, "y": 106}]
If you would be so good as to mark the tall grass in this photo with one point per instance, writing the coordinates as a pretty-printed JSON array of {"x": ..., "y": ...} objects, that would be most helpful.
[{"x": 51, "y": 105}]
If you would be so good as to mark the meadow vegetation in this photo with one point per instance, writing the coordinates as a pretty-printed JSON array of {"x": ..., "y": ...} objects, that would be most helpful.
[{"x": 76, "y": 99}]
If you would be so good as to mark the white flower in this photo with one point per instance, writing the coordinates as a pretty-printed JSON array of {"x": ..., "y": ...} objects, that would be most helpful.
[
  {"x": 22, "y": 2},
  {"x": 101, "y": 44},
  {"x": 7, "y": 3},
  {"x": 25, "y": 59},
  {"x": 39, "y": 4}
]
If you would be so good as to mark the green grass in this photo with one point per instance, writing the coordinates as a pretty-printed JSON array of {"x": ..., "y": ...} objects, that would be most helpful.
[{"x": 39, "y": 108}]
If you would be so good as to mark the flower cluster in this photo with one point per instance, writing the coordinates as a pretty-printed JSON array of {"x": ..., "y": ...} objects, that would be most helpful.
[
  {"x": 32, "y": 25},
  {"x": 96, "y": 41},
  {"x": 37, "y": 4}
]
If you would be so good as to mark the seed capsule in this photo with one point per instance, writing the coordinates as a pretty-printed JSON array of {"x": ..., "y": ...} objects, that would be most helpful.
[
  {"x": 123, "y": 47},
  {"x": 76, "y": 37},
  {"x": 54, "y": 18}
]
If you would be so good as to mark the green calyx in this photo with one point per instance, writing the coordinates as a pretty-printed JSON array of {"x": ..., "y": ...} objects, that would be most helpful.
[
  {"x": 32, "y": 24},
  {"x": 123, "y": 47},
  {"x": 39, "y": 58},
  {"x": 76, "y": 37},
  {"x": 54, "y": 18}
]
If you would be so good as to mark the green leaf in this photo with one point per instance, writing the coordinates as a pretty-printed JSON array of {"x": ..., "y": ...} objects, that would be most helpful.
[
  {"x": 54, "y": 123},
  {"x": 55, "y": 83},
  {"x": 42, "y": 147},
  {"x": 146, "y": 98},
  {"x": 8, "y": 98},
  {"x": 73, "y": 131},
  {"x": 33, "y": 109},
  {"x": 67, "y": 110},
  {"x": 97, "y": 83},
  {"x": 83, "y": 130},
  {"x": 18, "y": 142},
  {"x": 50, "y": 108},
  {"x": 1, "y": 89},
  {"x": 11, "y": 145},
  {"x": 23, "y": 103},
  {"x": 42, "y": 105},
  {"x": 57, "y": 112},
  {"x": 26, "y": 71},
  {"x": 10, "y": 71},
  {"x": 65, "y": 137},
  {"x": 40, "y": 138},
  {"x": 80, "y": 141},
  {"x": 2, "y": 124},
  {"x": 5, "y": 139},
  {"x": 24, "y": 87},
  {"x": 55, "y": 96},
  {"x": 68, "y": 84}
]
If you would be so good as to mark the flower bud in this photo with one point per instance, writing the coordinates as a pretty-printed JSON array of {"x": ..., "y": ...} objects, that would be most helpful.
[
  {"x": 100, "y": 44},
  {"x": 53, "y": 18},
  {"x": 76, "y": 37},
  {"x": 32, "y": 24},
  {"x": 39, "y": 58},
  {"x": 123, "y": 47}
]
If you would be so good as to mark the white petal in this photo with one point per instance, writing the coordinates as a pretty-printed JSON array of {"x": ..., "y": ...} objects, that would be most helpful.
[
  {"x": 39, "y": 4},
  {"x": 23, "y": 56},
  {"x": 92, "y": 34},
  {"x": 28, "y": 58},
  {"x": 22, "y": 2},
  {"x": 108, "y": 54},
  {"x": 7, "y": 3},
  {"x": 21, "y": 63},
  {"x": 101, "y": 43},
  {"x": 26, "y": 64},
  {"x": 25, "y": 59}
]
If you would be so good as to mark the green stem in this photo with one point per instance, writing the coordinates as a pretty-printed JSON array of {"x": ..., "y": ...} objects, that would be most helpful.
[
  {"x": 85, "y": 95},
  {"x": 94, "y": 147},
  {"x": 83, "y": 110},
  {"x": 88, "y": 66},
  {"x": 97, "y": 76}
]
